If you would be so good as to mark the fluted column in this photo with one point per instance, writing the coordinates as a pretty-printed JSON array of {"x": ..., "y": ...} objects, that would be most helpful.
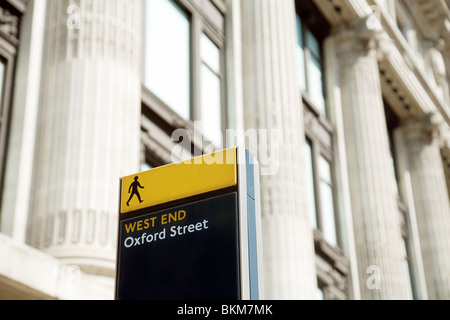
[
  {"x": 373, "y": 198},
  {"x": 431, "y": 202},
  {"x": 272, "y": 101},
  {"x": 89, "y": 128}
]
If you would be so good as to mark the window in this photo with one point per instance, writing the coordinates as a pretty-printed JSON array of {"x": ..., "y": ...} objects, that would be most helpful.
[
  {"x": 314, "y": 73},
  {"x": 328, "y": 224},
  {"x": 333, "y": 268},
  {"x": 184, "y": 57},
  {"x": 168, "y": 55},
  {"x": 211, "y": 91},
  {"x": 310, "y": 66},
  {"x": 320, "y": 194},
  {"x": 312, "y": 29},
  {"x": 319, "y": 293},
  {"x": 392, "y": 124},
  {"x": 301, "y": 55},
  {"x": 145, "y": 166},
  {"x": 407, "y": 267},
  {"x": 310, "y": 186},
  {"x": 2, "y": 76}
]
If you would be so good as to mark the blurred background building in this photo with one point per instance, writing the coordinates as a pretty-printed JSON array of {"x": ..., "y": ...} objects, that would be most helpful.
[{"x": 92, "y": 90}]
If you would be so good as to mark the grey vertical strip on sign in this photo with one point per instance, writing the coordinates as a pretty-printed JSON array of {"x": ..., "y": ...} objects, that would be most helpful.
[{"x": 252, "y": 243}]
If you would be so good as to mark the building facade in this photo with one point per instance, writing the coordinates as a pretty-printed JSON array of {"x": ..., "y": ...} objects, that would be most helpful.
[{"x": 346, "y": 104}]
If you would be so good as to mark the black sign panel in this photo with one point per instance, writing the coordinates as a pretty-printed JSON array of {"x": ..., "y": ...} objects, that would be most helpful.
[{"x": 186, "y": 252}]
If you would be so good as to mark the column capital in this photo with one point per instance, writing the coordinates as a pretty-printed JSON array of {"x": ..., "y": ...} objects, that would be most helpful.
[
  {"x": 359, "y": 35},
  {"x": 424, "y": 128},
  {"x": 364, "y": 36}
]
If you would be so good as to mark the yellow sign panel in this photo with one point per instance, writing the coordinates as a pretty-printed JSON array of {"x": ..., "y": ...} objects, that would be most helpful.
[{"x": 179, "y": 180}]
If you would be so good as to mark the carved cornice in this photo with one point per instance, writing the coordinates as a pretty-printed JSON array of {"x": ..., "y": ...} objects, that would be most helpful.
[
  {"x": 9, "y": 23},
  {"x": 343, "y": 11},
  {"x": 432, "y": 17},
  {"x": 18, "y": 5}
]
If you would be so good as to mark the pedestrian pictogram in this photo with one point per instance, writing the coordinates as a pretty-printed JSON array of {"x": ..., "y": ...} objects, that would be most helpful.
[{"x": 134, "y": 190}]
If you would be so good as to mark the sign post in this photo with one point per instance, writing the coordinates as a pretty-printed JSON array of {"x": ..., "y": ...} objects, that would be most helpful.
[{"x": 192, "y": 230}]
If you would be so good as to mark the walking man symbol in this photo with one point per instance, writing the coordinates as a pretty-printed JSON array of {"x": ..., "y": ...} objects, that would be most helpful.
[{"x": 134, "y": 190}]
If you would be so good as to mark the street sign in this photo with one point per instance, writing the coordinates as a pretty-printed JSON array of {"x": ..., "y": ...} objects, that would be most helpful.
[{"x": 191, "y": 230}]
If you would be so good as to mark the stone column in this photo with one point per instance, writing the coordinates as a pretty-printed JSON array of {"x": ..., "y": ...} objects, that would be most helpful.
[
  {"x": 373, "y": 198},
  {"x": 88, "y": 133},
  {"x": 272, "y": 101},
  {"x": 431, "y": 202}
]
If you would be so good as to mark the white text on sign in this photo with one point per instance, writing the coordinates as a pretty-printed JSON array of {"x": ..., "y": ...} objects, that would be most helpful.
[{"x": 165, "y": 219}]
